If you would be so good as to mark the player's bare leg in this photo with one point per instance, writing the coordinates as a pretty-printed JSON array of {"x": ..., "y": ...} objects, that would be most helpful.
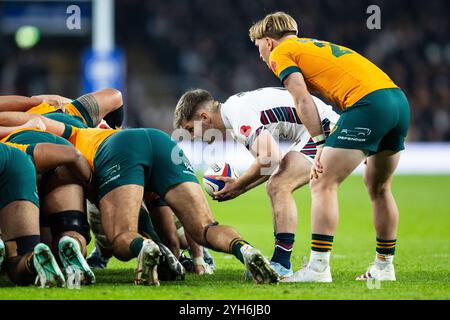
[
  {"x": 165, "y": 227},
  {"x": 64, "y": 193},
  {"x": 293, "y": 173},
  {"x": 164, "y": 233},
  {"x": 64, "y": 206},
  {"x": 26, "y": 257},
  {"x": 119, "y": 214},
  {"x": 337, "y": 164},
  {"x": 378, "y": 179},
  {"x": 191, "y": 207}
]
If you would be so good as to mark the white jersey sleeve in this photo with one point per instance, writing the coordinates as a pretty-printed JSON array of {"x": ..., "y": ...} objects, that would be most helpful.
[
  {"x": 243, "y": 120},
  {"x": 273, "y": 109}
]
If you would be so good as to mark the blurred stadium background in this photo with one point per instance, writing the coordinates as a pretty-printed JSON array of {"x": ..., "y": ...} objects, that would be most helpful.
[
  {"x": 169, "y": 46},
  {"x": 155, "y": 50}
]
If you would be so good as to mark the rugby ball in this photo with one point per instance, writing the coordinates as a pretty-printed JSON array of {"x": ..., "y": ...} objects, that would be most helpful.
[{"x": 210, "y": 182}]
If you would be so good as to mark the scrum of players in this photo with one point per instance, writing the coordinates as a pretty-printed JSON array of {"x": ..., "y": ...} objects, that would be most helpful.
[
  {"x": 67, "y": 169},
  {"x": 64, "y": 155}
]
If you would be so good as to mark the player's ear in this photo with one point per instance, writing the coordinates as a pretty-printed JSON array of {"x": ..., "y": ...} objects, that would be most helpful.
[
  {"x": 270, "y": 44},
  {"x": 205, "y": 117}
]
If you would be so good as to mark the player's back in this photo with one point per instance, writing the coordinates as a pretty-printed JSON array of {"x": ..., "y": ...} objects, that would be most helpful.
[
  {"x": 340, "y": 74},
  {"x": 42, "y": 109},
  {"x": 5, "y": 155},
  {"x": 269, "y": 108},
  {"x": 88, "y": 141}
]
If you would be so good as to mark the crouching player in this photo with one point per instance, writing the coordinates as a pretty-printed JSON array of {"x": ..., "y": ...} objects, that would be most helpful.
[
  {"x": 258, "y": 119},
  {"x": 62, "y": 198},
  {"x": 169, "y": 268},
  {"x": 27, "y": 259},
  {"x": 127, "y": 164}
]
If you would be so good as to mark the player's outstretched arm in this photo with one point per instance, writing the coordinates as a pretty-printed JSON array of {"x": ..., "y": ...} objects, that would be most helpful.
[
  {"x": 261, "y": 180},
  {"x": 11, "y": 119},
  {"x": 54, "y": 100},
  {"x": 268, "y": 156},
  {"x": 49, "y": 155},
  {"x": 18, "y": 103},
  {"x": 30, "y": 124}
]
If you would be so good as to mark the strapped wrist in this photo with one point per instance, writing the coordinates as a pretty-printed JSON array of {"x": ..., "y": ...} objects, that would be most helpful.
[{"x": 319, "y": 140}]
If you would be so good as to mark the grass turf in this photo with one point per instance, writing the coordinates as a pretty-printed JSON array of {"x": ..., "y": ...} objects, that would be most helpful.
[{"x": 422, "y": 259}]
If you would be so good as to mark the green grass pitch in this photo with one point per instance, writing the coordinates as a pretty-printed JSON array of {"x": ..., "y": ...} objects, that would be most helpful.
[{"x": 422, "y": 259}]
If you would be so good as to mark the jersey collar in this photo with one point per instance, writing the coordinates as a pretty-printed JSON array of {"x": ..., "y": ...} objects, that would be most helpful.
[{"x": 225, "y": 120}]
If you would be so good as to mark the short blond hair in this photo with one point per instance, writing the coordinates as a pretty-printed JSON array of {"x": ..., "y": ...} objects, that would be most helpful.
[
  {"x": 275, "y": 25},
  {"x": 189, "y": 103}
]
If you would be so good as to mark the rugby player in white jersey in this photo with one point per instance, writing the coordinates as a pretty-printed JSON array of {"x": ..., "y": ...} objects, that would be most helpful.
[{"x": 258, "y": 119}]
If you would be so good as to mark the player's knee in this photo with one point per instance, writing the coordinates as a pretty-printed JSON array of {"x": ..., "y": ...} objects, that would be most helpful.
[
  {"x": 375, "y": 187},
  {"x": 272, "y": 187},
  {"x": 378, "y": 190},
  {"x": 71, "y": 220},
  {"x": 276, "y": 187},
  {"x": 323, "y": 185}
]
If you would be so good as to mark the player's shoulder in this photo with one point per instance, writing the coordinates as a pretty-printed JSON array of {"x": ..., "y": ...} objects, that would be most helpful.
[
  {"x": 262, "y": 97},
  {"x": 259, "y": 93},
  {"x": 236, "y": 101}
]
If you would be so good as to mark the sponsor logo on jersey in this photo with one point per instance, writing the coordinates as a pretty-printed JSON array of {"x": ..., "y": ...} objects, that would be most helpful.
[
  {"x": 273, "y": 65},
  {"x": 246, "y": 130},
  {"x": 111, "y": 175},
  {"x": 357, "y": 134},
  {"x": 188, "y": 165}
]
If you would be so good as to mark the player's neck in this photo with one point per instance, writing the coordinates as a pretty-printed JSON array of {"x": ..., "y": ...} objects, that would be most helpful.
[
  {"x": 219, "y": 119},
  {"x": 289, "y": 36}
]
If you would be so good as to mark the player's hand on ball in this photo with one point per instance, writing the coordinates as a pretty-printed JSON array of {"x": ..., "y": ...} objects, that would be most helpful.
[{"x": 231, "y": 190}]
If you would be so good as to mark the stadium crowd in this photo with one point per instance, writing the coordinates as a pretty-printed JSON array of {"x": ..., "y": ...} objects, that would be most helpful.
[{"x": 179, "y": 53}]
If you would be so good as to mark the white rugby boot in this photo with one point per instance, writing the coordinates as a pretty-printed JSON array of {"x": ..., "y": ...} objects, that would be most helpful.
[
  {"x": 48, "y": 272},
  {"x": 315, "y": 271},
  {"x": 380, "y": 270},
  {"x": 75, "y": 265},
  {"x": 307, "y": 274},
  {"x": 147, "y": 264}
]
